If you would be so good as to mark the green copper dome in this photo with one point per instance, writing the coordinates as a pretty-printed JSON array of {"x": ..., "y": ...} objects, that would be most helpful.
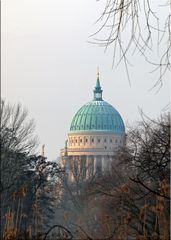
[{"x": 97, "y": 115}]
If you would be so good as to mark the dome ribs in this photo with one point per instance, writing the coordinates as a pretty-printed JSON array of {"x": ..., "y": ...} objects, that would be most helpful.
[{"x": 97, "y": 116}]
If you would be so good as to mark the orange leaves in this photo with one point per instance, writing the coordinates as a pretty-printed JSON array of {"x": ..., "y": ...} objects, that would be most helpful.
[
  {"x": 165, "y": 187},
  {"x": 128, "y": 219},
  {"x": 11, "y": 234},
  {"x": 10, "y": 231},
  {"x": 21, "y": 192},
  {"x": 125, "y": 188},
  {"x": 9, "y": 215},
  {"x": 142, "y": 211}
]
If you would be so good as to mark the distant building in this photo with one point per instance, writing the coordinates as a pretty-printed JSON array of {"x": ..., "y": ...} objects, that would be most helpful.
[{"x": 97, "y": 132}]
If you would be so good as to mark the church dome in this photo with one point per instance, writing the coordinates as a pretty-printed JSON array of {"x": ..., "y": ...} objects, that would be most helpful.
[{"x": 97, "y": 115}]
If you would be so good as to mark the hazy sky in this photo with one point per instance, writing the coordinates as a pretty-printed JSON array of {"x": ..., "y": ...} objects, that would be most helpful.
[{"x": 50, "y": 68}]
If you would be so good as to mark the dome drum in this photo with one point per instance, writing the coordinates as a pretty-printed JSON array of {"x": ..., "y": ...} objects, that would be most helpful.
[{"x": 87, "y": 142}]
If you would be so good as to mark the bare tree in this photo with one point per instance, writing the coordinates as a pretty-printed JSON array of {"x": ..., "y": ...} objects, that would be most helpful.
[
  {"x": 17, "y": 141},
  {"x": 130, "y": 26},
  {"x": 149, "y": 143},
  {"x": 17, "y": 131},
  {"x": 28, "y": 182},
  {"x": 144, "y": 196}
]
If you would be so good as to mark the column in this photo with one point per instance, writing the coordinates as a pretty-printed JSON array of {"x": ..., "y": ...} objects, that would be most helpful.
[
  {"x": 95, "y": 162},
  {"x": 103, "y": 164},
  {"x": 87, "y": 166}
]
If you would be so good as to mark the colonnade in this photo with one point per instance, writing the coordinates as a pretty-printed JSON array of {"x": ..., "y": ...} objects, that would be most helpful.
[{"x": 85, "y": 167}]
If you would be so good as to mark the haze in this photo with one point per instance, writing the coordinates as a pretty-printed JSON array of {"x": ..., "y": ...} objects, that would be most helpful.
[{"x": 50, "y": 68}]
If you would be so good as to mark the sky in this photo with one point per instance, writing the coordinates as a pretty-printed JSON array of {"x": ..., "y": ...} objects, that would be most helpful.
[{"x": 49, "y": 66}]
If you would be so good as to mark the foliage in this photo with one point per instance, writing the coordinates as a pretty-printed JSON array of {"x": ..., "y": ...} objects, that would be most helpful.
[
  {"x": 27, "y": 181},
  {"x": 132, "y": 202}
]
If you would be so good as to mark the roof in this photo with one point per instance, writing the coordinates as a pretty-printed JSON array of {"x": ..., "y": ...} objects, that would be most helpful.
[{"x": 97, "y": 115}]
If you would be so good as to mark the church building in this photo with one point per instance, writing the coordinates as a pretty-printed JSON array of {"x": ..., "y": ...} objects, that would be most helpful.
[{"x": 96, "y": 133}]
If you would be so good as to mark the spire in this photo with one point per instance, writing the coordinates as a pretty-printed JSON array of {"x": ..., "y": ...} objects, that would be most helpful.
[
  {"x": 98, "y": 90},
  {"x": 43, "y": 150}
]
